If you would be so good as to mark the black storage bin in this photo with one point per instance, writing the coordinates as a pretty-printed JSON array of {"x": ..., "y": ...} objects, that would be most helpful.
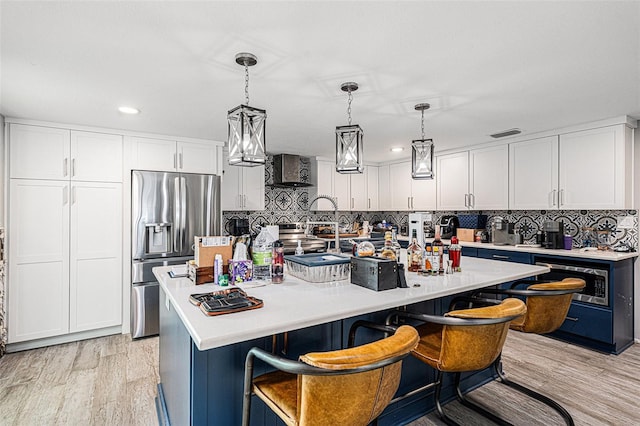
[
  {"x": 374, "y": 273},
  {"x": 472, "y": 221}
]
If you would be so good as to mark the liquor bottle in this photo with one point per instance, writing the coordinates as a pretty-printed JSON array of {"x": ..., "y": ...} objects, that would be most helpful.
[
  {"x": 427, "y": 258},
  {"x": 437, "y": 242},
  {"x": 395, "y": 245},
  {"x": 414, "y": 254},
  {"x": 277, "y": 271},
  {"x": 387, "y": 250}
]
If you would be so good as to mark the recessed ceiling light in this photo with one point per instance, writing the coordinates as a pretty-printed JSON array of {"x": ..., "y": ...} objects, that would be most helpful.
[
  {"x": 397, "y": 149},
  {"x": 128, "y": 110}
]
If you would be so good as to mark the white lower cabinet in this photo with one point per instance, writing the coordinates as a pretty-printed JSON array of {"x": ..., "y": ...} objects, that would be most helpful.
[{"x": 65, "y": 258}]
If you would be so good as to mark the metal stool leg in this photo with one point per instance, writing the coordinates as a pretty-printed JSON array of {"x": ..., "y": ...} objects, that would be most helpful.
[
  {"x": 497, "y": 365},
  {"x": 439, "y": 409},
  {"x": 475, "y": 407}
]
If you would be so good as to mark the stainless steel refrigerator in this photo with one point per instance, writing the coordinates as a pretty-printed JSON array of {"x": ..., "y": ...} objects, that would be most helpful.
[{"x": 167, "y": 211}]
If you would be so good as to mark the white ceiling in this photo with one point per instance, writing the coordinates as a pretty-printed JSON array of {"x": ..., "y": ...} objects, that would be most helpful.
[{"x": 484, "y": 67}]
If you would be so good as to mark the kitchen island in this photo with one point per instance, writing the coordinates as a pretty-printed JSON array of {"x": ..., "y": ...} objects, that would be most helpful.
[{"x": 202, "y": 358}]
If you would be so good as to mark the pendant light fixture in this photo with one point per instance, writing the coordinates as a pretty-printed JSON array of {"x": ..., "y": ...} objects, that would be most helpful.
[
  {"x": 246, "y": 125},
  {"x": 422, "y": 151},
  {"x": 349, "y": 140}
]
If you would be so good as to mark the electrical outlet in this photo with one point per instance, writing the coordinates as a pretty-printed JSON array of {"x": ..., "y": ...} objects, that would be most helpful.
[{"x": 624, "y": 222}]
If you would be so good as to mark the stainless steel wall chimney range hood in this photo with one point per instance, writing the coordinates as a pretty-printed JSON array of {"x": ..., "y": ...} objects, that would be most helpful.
[{"x": 291, "y": 171}]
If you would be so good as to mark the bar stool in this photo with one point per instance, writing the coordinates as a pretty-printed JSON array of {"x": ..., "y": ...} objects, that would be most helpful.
[
  {"x": 461, "y": 341},
  {"x": 547, "y": 307},
  {"x": 345, "y": 387}
]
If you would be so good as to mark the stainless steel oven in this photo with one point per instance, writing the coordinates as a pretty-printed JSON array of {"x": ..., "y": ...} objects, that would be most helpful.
[{"x": 596, "y": 278}]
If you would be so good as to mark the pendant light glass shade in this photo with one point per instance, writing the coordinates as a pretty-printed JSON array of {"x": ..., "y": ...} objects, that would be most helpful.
[
  {"x": 246, "y": 140},
  {"x": 422, "y": 151},
  {"x": 349, "y": 140},
  {"x": 422, "y": 159},
  {"x": 247, "y": 136},
  {"x": 349, "y": 149}
]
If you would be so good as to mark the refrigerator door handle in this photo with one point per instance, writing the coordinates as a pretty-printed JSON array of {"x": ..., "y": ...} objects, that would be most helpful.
[
  {"x": 177, "y": 246},
  {"x": 183, "y": 214}
]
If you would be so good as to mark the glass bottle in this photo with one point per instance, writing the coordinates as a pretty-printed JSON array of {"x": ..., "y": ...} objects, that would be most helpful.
[
  {"x": 395, "y": 245},
  {"x": 277, "y": 271},
  {"x": 414, "y": 254},
  {"x": 427, "y": 258},
  {"x": 437, "y": 242},
  {"x": 387, "y": 250},
  {"x": 454, "y": 254}
]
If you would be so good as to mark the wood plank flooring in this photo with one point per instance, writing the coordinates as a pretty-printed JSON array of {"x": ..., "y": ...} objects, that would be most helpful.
[{"x": 112, "y": 380}]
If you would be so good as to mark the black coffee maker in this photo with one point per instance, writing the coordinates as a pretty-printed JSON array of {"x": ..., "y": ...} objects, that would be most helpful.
[
  {"x": 238, "y": 227},
  {"x": 448, "y": 226},
  {"x": 552, "y": 236}
]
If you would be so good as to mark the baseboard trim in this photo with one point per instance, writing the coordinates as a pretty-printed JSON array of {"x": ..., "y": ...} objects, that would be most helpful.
[{"x": 66, "y": 338}]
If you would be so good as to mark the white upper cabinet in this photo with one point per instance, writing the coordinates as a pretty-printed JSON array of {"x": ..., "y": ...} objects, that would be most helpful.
[
  {"x": 593, "y": 167},
  {"x": 172, "y": 156},
  {"x": 242, "y": 187},
  {"x": 39, "y": 152},
  {"x": 407, "y": 193},
  {"x": 352, "y": 191},
  {"x": 533, "y": 174},
  {"x": 96, "y": 157},
  {"x": 473, "y": 180},
  {"x": 453, "y": 181},
  {"x": 489, "y": 178},
  {"x": 587, "y": 169},
  {"x": 372, "y": 188}
]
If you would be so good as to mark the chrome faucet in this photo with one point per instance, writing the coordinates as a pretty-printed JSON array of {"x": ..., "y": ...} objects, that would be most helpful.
[{"x": 335, "y": 224}]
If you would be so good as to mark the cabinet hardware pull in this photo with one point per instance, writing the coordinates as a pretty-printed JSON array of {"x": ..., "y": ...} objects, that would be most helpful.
[
  {"x": 64, "y": 167},
  {"x": 553, "y": 197},
  {"x": 472, "y": 200},
  {"x": 499, "y": 256},
  {"x": 412, "y": 202},
  {"x": 351, "y": 202},
  {"x": 175, "y": 161},
  {"x": 73, "y": 167},
  {"x": 368, "y": 203},
  {"x": 408, "y": 202},
  {"x": 571, "y": 319},
  {"x": 181, "y": 166},
  {"x": 65, "y": 195},
  {"x": 244, "y": 201},
  {"x": 561, "y": 198},
  {"x": 466, "y": 200}
]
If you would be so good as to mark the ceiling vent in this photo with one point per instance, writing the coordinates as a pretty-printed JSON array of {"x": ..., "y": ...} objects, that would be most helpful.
[{"x": 505, "y": 133}]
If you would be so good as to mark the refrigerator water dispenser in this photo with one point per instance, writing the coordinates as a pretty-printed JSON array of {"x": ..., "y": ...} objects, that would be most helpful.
[{"x": 158, "y": 238}]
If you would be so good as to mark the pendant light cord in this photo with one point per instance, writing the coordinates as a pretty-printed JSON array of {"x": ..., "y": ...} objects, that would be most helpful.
[
  {"x": 349, "y": 107},
  {"x": 246, "y": 83},
  {"x": 422, "y": 123}
]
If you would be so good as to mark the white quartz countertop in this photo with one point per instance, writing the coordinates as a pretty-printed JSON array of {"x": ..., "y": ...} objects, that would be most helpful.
[
  {"x": 296, "y": 304},
  {"x": 608, "y": 255}
]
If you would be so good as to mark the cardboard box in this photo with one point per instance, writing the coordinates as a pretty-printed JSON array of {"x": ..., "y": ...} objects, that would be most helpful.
[
  {"x": 466, "y": 234},
  {"x": 207, "y": 247}
]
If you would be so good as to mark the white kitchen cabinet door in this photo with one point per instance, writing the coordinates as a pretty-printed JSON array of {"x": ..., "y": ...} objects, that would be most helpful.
[
  {"x": 253, "y": 187},
  {"x": 342, "y": 190},
  {"x": 325, "y": 172},
  {"x": 384, "y": 188},
  {"x": 489, "y": 178},
  {"x": 400, "y": 186},
  {"x": 154, "y": 154},
  {"x": 96, "y": 157},
  {"x": 196, "y": 157},
  {"x": 95, "y": 293},
  {"x": 372, "y": 188},
  {"x": 592, "y": 169},
  {"x": 423, "y": 193},
  {"x": 39, "y": 152},
  {"x": 453, "y": 181},
  {"x": 533, "y": 174},
  {"x": 242, "y": 187},
  {"x": 358, "y": 189},
  {"x": 38, "y": 285}
]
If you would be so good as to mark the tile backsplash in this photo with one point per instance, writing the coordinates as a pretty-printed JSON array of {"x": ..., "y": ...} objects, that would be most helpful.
[{"x": 285, "y": 205}]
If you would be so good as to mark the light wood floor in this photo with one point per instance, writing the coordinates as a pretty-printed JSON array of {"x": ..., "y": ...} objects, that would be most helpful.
[{"x": 112, "y": 380}]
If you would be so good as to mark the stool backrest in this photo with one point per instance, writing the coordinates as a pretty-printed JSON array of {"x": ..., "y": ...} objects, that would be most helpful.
[
  {"x": 357, "y": 398},
  {"x": 476, "y": 346},
  {"x": 547, "y": 313}
]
